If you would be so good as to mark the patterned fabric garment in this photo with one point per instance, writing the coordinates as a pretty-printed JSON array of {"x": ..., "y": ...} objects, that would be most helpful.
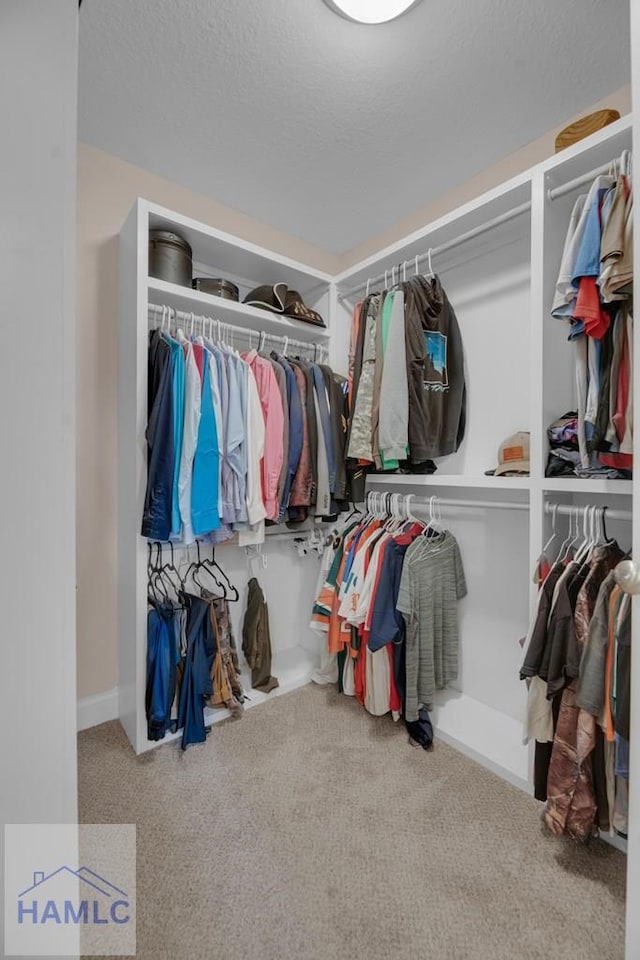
[
  {"x": 360, "y": 439},
  {"x": 571, "y": 803},
  {"x": 227, "y": 688},
  {"x": 303, "y": 479}
]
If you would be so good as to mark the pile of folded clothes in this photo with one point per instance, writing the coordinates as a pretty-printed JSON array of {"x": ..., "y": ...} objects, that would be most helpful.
[{"x": 564, "y": 453}]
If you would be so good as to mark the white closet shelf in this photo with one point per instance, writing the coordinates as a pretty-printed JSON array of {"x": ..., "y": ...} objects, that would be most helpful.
[
  {"x": 228, "y": 311},
  {"x": 462, "y": 481},
  {"x": 576, "y": 485}
]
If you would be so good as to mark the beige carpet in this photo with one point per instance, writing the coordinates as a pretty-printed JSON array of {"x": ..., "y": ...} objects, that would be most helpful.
[{"x": 310, "y": 831}]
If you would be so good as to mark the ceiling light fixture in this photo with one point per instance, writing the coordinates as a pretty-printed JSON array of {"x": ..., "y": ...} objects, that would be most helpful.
[{"x": 371, "y": 11}]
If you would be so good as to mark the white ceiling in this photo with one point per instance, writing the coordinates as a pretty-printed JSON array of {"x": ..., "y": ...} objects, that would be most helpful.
[{"x": 329, "y": 130}]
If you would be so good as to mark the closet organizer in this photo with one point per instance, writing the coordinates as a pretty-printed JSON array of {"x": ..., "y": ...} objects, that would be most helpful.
[
  {"x": 498, "y": 259},
  {"x": 147, "y": 303}
]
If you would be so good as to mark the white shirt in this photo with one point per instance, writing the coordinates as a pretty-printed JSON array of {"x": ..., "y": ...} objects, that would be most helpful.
[{"x": 256, "y": 512}]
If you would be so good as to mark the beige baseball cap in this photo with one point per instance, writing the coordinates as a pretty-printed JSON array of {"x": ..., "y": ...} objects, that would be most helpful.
[{"x": 513, "y": 455}]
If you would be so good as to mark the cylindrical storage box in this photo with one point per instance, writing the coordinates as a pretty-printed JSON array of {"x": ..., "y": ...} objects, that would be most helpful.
[
  {"x": 169, "y": 257},
  {"x": 217, "y": 287}
]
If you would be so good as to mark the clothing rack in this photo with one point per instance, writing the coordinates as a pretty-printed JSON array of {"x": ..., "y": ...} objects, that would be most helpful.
[
  {"x": 567, "y": 510},
  {"x": 442, "y": 248},
  {"x": 555, "y": 192},
  {"x": 224, "y": 330}
]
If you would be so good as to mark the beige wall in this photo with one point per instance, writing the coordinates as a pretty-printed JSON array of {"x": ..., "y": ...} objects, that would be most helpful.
[
  {"x": 107, "y": 189},
  {"x": 513, "y": 164}
]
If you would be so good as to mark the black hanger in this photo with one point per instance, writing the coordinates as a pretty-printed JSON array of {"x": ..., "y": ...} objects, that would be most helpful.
[
  {"x": 151, "y": 578},
  {"x": 160, "y": 577},
  {"x": 195, "y": 564},
  {"x": 226, "y": 585},
  {"x": 169, "y": 569}
]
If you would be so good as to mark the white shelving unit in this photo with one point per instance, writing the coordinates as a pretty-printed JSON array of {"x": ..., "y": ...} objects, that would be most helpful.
[
  {"x": 295, "y": 648},
  {"x": 520, "y": 376},
  {"x": 519, "y": 370}
]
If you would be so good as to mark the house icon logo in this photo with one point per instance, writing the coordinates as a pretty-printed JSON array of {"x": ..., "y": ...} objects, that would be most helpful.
[
  {"x": 69, "y": 889},
  {"x": 72, "y": 897}
]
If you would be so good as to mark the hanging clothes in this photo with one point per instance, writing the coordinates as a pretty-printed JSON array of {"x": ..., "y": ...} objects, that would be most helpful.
[
  {"x": 235, "y": 442},
  {"x": 594, "y": 295},
  {"x": 432, "y": 582},
  {"x": 158, "y": 501},
  {"x": 406, "y": 390},
  {"x": 162, "y": 658},
  {"x": 256, "y": 639},
  {"x": 383, "y": 590},
  {"x": 196, "y": 685},
  {"x": 569, "y": 664}
]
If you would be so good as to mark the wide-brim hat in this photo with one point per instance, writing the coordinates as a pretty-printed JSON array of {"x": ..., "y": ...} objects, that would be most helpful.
[{"x": 280, "y": 299}]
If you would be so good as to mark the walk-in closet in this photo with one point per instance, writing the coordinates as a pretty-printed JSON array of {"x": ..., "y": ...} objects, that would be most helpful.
[{"x": 338, "y": 345}]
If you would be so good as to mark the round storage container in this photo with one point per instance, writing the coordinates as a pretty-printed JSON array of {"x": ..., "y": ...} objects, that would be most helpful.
[
  {"x": 219, "y": 288},
  {"x": 169, "y": 257}
]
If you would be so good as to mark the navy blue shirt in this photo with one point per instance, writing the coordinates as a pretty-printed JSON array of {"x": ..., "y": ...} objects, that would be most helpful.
[{"x": 387, "y": 623}]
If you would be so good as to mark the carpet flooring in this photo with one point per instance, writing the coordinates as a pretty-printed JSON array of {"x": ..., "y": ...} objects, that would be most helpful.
[{"x": 309, "y": 830}]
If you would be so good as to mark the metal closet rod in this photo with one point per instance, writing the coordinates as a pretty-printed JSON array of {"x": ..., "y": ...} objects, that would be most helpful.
[
  {"x": 235, "y": 329},
  {"x": 554, "y": 192},
  {"x": 449, "y": 245},
  {"x": 409, "y": 501},
  {"x": 567, "y": 509}
]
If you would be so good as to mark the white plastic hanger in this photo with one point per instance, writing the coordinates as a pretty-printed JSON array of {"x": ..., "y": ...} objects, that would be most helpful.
[
  {"x": 582, "y": 551},
  {"x": 566, "y": 543},
  {"x": 554, "y": 514}
]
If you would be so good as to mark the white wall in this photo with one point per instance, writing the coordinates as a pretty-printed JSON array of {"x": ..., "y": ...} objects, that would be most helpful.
[{"x": 38, "y": 92}]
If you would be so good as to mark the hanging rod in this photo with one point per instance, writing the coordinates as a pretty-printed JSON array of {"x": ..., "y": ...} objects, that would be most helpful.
[
  {"x": 554, "y": 192},
  {"x": 236, "y": 330},
  {"x": 410, "y": 500},
  {"x": 448, "y": 245},
  {"x": 567, "y": 509}
]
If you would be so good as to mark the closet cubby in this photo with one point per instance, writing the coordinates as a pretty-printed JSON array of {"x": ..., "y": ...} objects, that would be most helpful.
[
  {"x": 218, "y": 254},
  {"x": 562, "y": 181}
]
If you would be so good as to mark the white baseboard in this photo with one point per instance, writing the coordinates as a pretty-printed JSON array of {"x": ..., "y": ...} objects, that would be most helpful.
[
  {"x": 485, "y": 735},
  {"x": 97, "y": 708}
]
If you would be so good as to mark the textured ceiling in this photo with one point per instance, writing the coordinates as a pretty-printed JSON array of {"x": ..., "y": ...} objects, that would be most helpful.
[{"x": 329, "y": 130}]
